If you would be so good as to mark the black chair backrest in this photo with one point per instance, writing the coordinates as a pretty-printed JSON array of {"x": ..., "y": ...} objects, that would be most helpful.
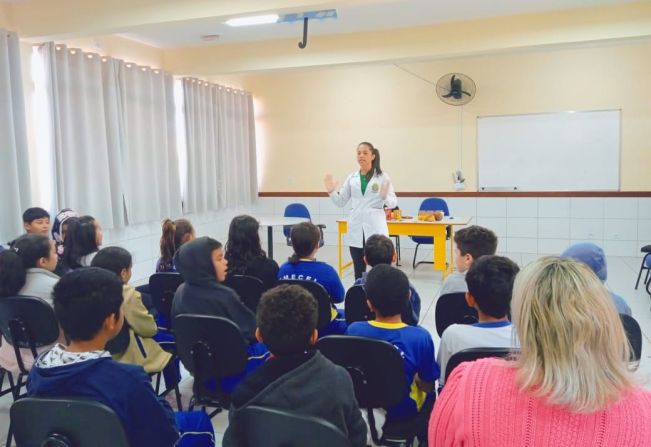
[
  {"x": 376, "y": 367},
  {"x": 27, "y": 322},
  {"x": 321, "y": 296},
  {"x": 452, "y": 308},
  {"x": 248, "y": 288},
  {"x": 209, "y": 347},
  {"x": 634, "y": 334},
  {"x": 162, "y": 287},
  {"x": 468, "y": 355},
  {"x": 356, "y": 306},
  {"x": 272, "y": 427},
  {"x": 65, "y": 422}
]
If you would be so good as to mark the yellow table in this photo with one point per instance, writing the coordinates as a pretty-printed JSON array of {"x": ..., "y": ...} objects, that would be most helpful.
[{"x": 412, "y": 227}]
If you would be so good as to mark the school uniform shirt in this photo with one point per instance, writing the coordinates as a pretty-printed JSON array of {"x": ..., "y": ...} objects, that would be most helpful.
[
  {"x": 417, "y": 350},
  {"x": 148, "y": 419},
  {"x": 458, "y": 337},
  {"x": 317, "y": 271},
  {"x": 455, "y": 282},
  {"x": 367, "y": 215}
]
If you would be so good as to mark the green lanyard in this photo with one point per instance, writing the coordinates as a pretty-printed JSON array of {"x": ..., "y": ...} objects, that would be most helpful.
[{"x": 364, "y": 182}]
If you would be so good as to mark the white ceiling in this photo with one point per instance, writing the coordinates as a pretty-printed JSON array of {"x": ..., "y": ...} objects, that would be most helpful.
[{"x": 370, "y": 15}]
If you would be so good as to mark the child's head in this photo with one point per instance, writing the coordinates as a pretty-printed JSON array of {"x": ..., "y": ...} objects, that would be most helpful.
[
  {"x": 60, "y": 225},
  {"x": 471, "y": 243},
  {"x": 88, "y": 304},
  {"x": 243, "y": 243},
  {"x": 305, "y": 240},
  {"x": 286, "y": 318},
  {"x": 84, "y": 237},
  {"x": 490, "y": 285},
  {"x": 387, "y": 289},
  {"x": 175, "y": 234},
  {"x": 591, "y": 255},
  {"x": 36, "y": 221},
  {"x": 116, "y": 260},
  {"x": 201, "y": 261},
  {"x": 378, "y": 249},
  {"x": 28, "y": 251}
]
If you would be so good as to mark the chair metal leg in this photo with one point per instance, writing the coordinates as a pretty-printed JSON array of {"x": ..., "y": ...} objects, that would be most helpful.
[
  {"x": 413, "y": 263},
  {"x": 639, "y": 275},
  {"x": 9, "y": 436},
  {"x": 177, "y": 392},
  {"x": 158, "y": 382},
  {"x": 371, "y": 423}
]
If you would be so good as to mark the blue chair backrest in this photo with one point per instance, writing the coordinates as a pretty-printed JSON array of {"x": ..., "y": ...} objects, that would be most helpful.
[
  {"x": 295, "y": 210},
  {"x": 434, "y": 204}
]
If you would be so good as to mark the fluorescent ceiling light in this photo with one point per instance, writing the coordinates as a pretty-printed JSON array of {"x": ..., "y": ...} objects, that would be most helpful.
[{"x": 253, "y": 20}]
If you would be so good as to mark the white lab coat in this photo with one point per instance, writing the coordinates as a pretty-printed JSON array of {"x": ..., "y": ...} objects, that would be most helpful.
[{"x": 367, "y": 216}]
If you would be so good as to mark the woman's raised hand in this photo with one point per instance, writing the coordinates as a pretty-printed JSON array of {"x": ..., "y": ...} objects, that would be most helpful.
[{"x": 330, "y": 183}]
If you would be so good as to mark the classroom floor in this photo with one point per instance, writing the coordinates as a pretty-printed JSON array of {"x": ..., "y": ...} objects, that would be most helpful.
[{"x": 622, "y": 273}]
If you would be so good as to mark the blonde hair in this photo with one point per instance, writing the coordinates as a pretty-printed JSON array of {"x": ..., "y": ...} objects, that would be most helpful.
[{"x": 574, "y": 350}]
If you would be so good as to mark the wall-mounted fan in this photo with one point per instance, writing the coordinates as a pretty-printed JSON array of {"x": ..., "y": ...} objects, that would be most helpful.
[{"x": 455, "y": 89}]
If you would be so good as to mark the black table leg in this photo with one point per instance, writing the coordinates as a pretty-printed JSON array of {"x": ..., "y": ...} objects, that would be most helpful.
[{"x": 270, "y": 242}]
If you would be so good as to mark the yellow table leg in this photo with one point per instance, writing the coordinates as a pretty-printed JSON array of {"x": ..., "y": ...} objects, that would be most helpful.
[
  {"x": 340, "y": 263},
  {"x": 440, "y": 257}
]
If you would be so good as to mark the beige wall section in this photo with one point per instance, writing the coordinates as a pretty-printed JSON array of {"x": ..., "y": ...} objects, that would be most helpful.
[
  {"x": 426, "y": 42},
  {"x": 310, "y": 120},
  {"x": 5, "y": 21}
]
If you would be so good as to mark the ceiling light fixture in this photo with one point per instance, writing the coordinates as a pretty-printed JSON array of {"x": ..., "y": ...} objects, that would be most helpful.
[{"x": 253, "y": 20}]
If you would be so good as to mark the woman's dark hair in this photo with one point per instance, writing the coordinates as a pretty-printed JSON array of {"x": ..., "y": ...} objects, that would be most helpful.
[
  {"x": 243, "y": 244},
  {"x": 113, "y": 259},
  {"x": 81, "y": 240},
  {"x": 172, "y": 239},
  {"x": 24, "y": 254},
  {"x": 305, "y": 238},
  {"x": 375, "y": 166}
]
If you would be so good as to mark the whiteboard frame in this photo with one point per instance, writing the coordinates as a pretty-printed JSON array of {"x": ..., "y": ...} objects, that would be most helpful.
[{"x": 619, "y": 158}]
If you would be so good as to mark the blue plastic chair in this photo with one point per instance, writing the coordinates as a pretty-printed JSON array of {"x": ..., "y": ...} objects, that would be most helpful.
[
  {"x": 429, "y": 204},
  {"x": 299, "y": 210}
]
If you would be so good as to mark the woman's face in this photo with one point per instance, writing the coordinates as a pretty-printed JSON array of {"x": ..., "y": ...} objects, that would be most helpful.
[
  {"x": 220, "y": 263},
  {"x": 365, "y": 157}
]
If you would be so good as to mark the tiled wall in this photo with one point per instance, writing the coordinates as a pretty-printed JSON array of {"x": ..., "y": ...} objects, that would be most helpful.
[{"x": 526, "y": 227}]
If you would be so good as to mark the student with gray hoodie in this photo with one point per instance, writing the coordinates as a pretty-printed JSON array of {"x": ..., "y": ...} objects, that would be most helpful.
[{"x": 297, "y": 377}]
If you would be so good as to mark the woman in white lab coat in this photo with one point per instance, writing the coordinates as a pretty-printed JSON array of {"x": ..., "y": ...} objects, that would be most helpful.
[{"x": 370, "y": 190}]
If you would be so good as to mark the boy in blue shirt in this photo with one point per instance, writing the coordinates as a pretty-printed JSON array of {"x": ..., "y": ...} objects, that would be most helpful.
[
  {"x": 387, "y": 289},
  {"x": 378, "y": 249},
  {"x": 303, "y": 265}
]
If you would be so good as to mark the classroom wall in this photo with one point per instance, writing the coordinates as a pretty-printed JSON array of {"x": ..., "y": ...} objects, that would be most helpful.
[
  {"x": 4, "y": 17},
  {"x": 310, "y": 120}
]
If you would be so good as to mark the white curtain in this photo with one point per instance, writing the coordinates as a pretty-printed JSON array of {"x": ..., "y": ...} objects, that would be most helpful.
[
  {"x": 113, "y": 137},
  {"x": 14, "y": 158},
  {"x": 151, "y": 179},
  {"x": 220, "y": 135},
  {"x": 82, "y": 91}
]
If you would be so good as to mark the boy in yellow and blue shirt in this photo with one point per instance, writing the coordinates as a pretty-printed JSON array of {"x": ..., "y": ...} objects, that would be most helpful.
[{"x": 387, "y": 289}]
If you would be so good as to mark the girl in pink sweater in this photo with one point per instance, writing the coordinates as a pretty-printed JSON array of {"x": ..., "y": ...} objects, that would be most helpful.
[{"x": 572, "y": 383}]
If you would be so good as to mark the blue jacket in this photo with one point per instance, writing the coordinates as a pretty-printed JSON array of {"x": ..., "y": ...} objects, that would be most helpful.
[{"x": 147, "y": 419}]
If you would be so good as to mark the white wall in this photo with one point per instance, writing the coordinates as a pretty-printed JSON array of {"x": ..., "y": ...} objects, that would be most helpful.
[{"x": 526, "y": 227}]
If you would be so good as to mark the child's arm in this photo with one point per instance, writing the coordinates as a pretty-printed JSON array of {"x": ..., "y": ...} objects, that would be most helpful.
[
  {"x": 428, "y": 369},
  {"x": 135, "y": 312},
  {"x": 426, "y": 387},
  {"x": 335, "y": 287}
]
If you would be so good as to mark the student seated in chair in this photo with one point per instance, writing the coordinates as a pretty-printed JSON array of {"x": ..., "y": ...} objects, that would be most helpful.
[
  {"x": 297, "y": 377},
  {"x": 490, "y": 284},
  {"x": 203, "y": 266},
  {"x": 89, "y": 306},
  {"x": 387, "y": 289},
  {"x": 142, "y": 349},
  {"x": 303, "y": 265},
  {"x": 470, "y": 243},
  {"x": 378, "y": 249}
]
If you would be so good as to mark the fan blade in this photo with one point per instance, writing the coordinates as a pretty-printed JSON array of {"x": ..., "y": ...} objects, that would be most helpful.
[
  {"x": 452, "y": 81},
  {"x": 465, "y": 93},
  {"x": 449, "y": 95}
]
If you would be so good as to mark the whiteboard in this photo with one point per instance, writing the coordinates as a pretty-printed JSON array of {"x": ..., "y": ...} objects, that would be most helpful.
[{"x": 566, "y": 151}]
